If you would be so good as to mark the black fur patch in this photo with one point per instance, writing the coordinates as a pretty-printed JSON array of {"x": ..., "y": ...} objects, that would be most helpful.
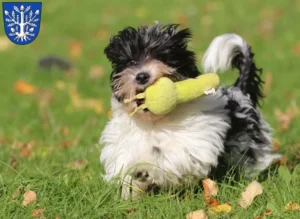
[
  {"x": 156, "y": 150},
  {"x": 249, "y": 80}
]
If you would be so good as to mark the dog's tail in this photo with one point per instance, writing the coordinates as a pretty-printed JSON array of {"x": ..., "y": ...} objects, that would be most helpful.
[{"x": 232, "y": 51}]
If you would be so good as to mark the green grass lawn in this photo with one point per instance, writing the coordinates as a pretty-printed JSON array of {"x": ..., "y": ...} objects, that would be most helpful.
[{"x": 50, "y": 146}]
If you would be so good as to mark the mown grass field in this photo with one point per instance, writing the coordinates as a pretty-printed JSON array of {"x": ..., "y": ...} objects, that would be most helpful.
[{"x": 48, "y": 141}]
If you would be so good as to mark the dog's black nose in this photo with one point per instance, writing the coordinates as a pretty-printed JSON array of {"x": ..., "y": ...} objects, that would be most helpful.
[{"x": 142, "y": 78}]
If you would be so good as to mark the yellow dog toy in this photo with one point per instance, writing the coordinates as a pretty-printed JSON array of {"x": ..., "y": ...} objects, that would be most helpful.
[{"x": 164, "y": 95}]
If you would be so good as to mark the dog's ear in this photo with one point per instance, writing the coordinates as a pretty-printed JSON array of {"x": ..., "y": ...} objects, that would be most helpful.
[{"x": 122, "y": 46}]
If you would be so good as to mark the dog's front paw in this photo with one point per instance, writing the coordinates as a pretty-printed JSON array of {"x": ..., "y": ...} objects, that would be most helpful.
[
  {"x": 141, "y": 175},
  {"x": 133, "y": 188}
]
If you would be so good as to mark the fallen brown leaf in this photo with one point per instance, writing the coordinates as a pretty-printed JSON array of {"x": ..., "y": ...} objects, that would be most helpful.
[
  {"x": 29, "y": 198},
  {"x": 130, "y": 212},
  {"x": 276, "y": 144},
  {"x": 38, "y": 213},
  {"x": 285, "y": 118},
  {"x": 90, "y": 103},
  {"x": 5, "y": 43},
  {"x": 102, "y": 34},
  {"x": 23, "y": 87},
  {"x": 210, "y": 188},
  {"x": 78, "y": 164},
  {"x": 268, "y": 17},
  {"x": 213, "y": 202},
  {"x": 226, "y": 208},
  {"x": 65, "y": 131},
  {"x": 16, "y": 194},
  {"x": 292, "y": 206},
  {"x": 13, "y": 162},
  {"x": 296, "y": 48},
  {"x": 283, "y": 160},
  {"x": 75, "y": 49},
  {"x": 96, "y": 72},
  {"x": 199, "y": 214},
  {"x": 44, "y": 98},
  {"x": 267, "y": 212},
  {"x": 252, "y": 190},
  {"x": 183, "y": 20},
  {"x": 4, "y": 140},
  {"x": 67, "y": 144},
  {"x": 26, "y": 150},
  {"x": 268, "y": 83}
]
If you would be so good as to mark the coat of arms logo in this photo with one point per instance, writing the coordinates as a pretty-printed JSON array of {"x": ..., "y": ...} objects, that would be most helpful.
[{"x": 22, "y": 21}]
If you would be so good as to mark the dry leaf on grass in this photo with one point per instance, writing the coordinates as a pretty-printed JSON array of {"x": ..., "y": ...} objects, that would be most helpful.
[
  {"x": 78, "y": 164},
  {"x": 268, "y": 82},
  {"x": 252, "y": 190},
  {"x": 38, "y": 213},
  {"x": 90, "y": 103},
  {"x": 65, "y": 131},
  {"x": 44, "y": 98},
  {"x": 102, "y": 34},
  {"x": 96, "y": 72},
  {"x": 75, "y": 49},
  {"x": 29, "y": 198},
  {"x": 5, "y": 43},
  {"x": 292, "y": 206},
  {"x": 226, "y": 208},
  {"x": 67, "y": 144},
  {"x": 199, "y": 214},
  {"x": 17, "y": 192},
  {"x": 268, "y": 18},
  {"x": 267, "y": 212},
  {"x": 13, "y": 162},
  {"x": 23, "y": 87},
  {"x": 283, "y": 160},
  {"x": 213, "y": 202},
  {"x": 296, "y": 48},
  {"x": 210, "y": 188},
  {"x": 285, "y": 118},
  {"x": 276, "y": 144},
  {"x": 183, "y": 20},
  {"x": 25, "y": 149}
]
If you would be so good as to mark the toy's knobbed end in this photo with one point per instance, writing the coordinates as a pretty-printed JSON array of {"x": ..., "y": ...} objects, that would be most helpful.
[
  {"x": 141, "y": 107},
  {"x": 211, "y": 91},
  {"x": 139, "y": 96}
]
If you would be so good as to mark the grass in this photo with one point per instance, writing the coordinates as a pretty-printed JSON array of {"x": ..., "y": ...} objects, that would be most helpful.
[{"x": 268, "y": 26}]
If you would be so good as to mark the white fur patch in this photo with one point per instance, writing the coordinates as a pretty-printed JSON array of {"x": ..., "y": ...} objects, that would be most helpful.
[
  {"x": 189, "y": 140},
  {"x": 221, "y": 51}
]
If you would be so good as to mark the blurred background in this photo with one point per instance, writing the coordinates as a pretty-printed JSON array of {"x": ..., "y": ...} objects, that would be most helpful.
[{"x": 52, "y": 118}]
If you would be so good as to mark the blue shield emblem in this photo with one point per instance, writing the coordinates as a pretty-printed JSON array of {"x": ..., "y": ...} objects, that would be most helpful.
[{"x": 22, "y": 21}]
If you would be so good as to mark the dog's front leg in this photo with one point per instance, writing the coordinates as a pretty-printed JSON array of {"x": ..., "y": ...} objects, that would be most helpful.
[{"x": 140, "y": 180}]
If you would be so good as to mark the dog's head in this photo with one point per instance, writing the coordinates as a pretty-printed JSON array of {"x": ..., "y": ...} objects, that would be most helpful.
[{"x": 140, "y": 56}]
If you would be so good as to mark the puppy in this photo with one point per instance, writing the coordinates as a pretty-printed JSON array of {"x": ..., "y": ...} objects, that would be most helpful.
[{"x": 147, "y": 151}]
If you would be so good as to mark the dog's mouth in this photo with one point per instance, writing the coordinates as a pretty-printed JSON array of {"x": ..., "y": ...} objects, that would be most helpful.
[{"x": 139, "y": 102}]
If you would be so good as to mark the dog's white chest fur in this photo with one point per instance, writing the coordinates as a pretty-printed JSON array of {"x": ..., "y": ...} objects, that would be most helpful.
[{"x": 185, "y": 143}]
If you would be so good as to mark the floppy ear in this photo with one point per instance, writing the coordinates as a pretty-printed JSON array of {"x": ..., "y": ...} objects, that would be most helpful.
[{"x": 122, "y": 47}]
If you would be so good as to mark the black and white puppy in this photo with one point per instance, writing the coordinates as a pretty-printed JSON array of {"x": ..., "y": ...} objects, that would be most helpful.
[{"x": 148, "y": 150}]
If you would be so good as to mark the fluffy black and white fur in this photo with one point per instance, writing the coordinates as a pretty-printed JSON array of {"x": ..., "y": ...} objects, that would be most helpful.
[{"x": 146, "y": 150}]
